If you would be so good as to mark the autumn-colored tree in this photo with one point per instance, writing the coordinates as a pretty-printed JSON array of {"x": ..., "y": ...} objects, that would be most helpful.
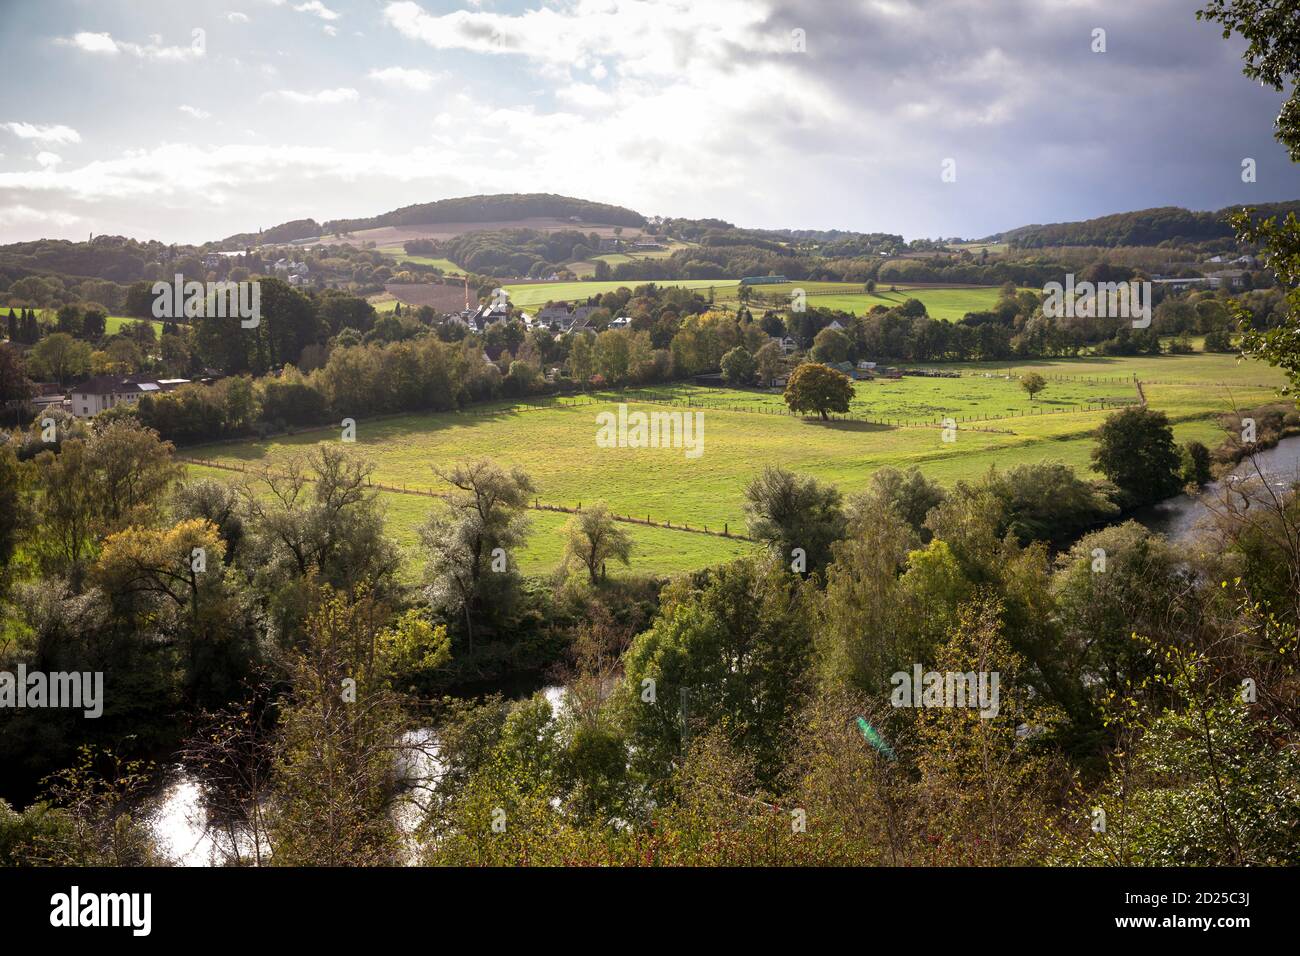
[
  {"x": 1033, "y": 383},
  {"x": 816, "y": 388}
]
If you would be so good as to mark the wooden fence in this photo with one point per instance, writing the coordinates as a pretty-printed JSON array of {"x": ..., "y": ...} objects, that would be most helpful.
[{"x": 536, "y": 505}]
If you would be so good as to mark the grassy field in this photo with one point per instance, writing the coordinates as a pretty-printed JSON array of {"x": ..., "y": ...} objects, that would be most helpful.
[
  {"x": 114, "y": 324},
  {"x": 539, "y": 293},
  {"x": 947, "y": 303},
  {"x": 400, "y": 254},
  {"x": 554, "y": 441},
  {"x": 940, "y": 302}
]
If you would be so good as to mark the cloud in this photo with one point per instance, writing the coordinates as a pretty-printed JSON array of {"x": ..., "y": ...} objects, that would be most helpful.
[
  {"x": 234, "y": 16},
  {"x": 411, "y": 79},
  {"x": 92, "y": 42},
  {"x": 342, "y": 94},
  {"x": 19, "y": 215},
  {"x": 693, "y": 108},
  {"x": 317, "y": 8},
  {"x": 104, "y": 44},
  {"x": 584, "y": 96},
  {"x": 43, "y": 134},
  {"x": 330, "y": 31},
  {"x": 194, "y": 111}
]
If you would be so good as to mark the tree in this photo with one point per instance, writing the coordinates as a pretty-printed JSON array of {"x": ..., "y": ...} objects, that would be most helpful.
[
  {"x": 789, "y": 511},
  {"x": 581, "y": 358},
  {"x": 816, "y": 388},
  {"x": 591, "y": 537},
  {"x": 830, "y": 346},
  {"x": 1272, "y": 56},
  {"x": 334, "y": 782},
  {"x": 909, "y": 495},
  {"x": 768, "y": 362},
  {"x": 733, "y": 652},
  {"x": 469, "y": 543},
  {"x": 1218, "y": 340},
  {"x": 1196, "y": 464},
  {"x": 1135, "y": 450},
  {"x": 316, "y": 515},
  {"x": 1033, "y": 383},
  {"x": 61, "y": 356},
  {"x": 13, "y": 510},
  {"x": 14, "y": 384},
  {"x": 738, "y": 367}
]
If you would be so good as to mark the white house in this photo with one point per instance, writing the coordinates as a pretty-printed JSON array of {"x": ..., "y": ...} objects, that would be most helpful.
[{"x": 105, "y": 391}]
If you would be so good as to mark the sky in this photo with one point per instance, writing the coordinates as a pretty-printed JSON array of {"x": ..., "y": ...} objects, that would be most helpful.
[{"x": 191, "y": 120}]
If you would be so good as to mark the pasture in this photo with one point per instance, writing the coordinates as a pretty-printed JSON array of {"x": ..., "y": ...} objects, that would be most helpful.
[
  {"x": 531, "y": 294},
  {"x": 114, "y": 324},
  {"x": 948, "y": 303},
  {"x": 554, "y": 441}
]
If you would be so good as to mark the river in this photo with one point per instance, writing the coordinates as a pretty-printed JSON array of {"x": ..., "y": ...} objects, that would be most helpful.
[
  {"x": 179, "y": 822},
  {"x": 185, "y": 834},
  {"x": 1177, "y": 518}
]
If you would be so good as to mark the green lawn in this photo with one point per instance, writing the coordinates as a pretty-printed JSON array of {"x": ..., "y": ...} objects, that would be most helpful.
[
  {"x": 114, "y": 323},
  {"x": 946, "y": 303},
  {"x": 399, "y": 254},
  {"x": 657, "y": 550},
  {"x": 539, "y": 293},
  {"x": 554, "y": 441}
]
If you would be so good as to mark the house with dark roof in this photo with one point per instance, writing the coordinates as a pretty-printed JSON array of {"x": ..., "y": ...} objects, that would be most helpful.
[{"x": 107, "y": 391}]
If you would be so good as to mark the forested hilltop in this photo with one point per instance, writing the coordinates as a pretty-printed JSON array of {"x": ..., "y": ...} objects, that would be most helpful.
[
  {"x": 504, "y": 207},
  {"x": 1142, "y": 227}
]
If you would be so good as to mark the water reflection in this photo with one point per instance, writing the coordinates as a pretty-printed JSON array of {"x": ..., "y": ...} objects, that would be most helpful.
[{"x": 1178, "y": 518}]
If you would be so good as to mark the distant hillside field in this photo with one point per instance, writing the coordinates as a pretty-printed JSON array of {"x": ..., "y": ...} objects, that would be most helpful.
[
  {"x": 554, "y": 441},
  {"x": 941, "y": 302},
  {"x": 383, "y": 236}
]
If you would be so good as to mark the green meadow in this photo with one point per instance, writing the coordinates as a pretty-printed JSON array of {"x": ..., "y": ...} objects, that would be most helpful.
[
  {"x": 554, "y": 441},
  {"x": 941, "y": 302},
  {"x": 400, "y": 255},
  {"x": 115, "y": 323},
  {"x": 529, "y": 295}
]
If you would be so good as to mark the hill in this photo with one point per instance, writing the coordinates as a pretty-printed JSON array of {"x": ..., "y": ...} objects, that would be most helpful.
[
  {"x": 501, "y": 208},
  {"x": 1142, "y": 227}
]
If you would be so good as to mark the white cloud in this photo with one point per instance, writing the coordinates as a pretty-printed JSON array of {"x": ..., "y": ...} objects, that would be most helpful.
[
  {"x": 20, "y": 215},
  {"x": 411, "y": 79},
  {"x": 48, "y": 160},
  {"x": 234, "y": 16},
  {"x": 343, "y": 94},
  {"x": 43, "y": 134},
  {"x": 92, "y": 42},
  {"x": 584, "y": 96},
  {"x": 194, "y": 111},
  {"x": 330, "y": 31},
  {"x": 317, "y": 8},
  {"x": 103, "y": 43}
]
